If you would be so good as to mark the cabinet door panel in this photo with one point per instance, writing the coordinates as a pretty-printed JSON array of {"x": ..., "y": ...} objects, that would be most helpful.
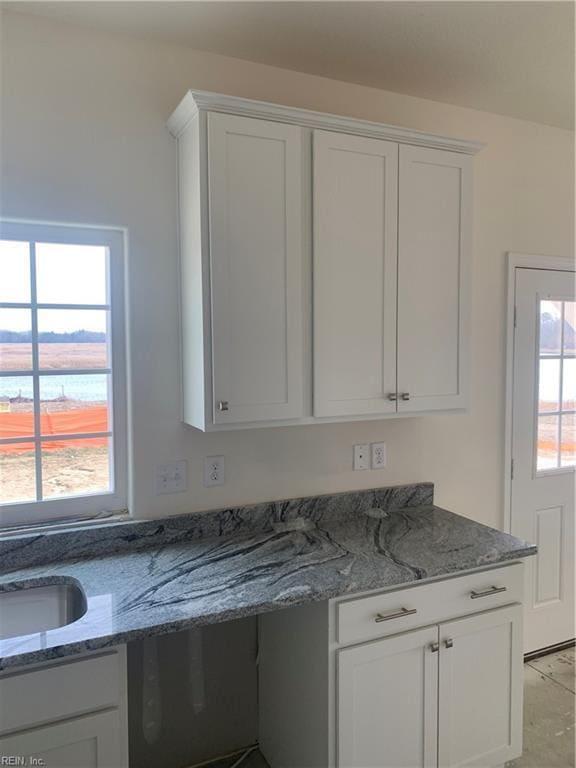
[
  {"x": 434, "y": 227},
  {"x": 480, "y": 717},
  {"x": 355, "y": 212},
  {"x": 255, "y": 179},
  {"x": 85, "y": 742},
  {"x": 387, "y": 702}
]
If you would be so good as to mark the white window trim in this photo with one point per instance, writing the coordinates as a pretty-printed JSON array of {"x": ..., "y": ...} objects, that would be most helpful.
[{"x": 21, "y": 514}]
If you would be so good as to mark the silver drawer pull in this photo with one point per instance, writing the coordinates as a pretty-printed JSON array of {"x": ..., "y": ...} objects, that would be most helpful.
[
  {"x": 396, "y": 615},
  {"x": 487, "y": 592}
]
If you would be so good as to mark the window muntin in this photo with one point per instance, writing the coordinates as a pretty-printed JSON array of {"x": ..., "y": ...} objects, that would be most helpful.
[
  {"x": 62, "y": 372},
  {"x": 556, "y": 397}
]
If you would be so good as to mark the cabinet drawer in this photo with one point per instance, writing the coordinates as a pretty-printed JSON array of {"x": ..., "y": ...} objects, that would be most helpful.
[
  {"x": 390, "y": 612},
  {"x": 60, "y": 690}
]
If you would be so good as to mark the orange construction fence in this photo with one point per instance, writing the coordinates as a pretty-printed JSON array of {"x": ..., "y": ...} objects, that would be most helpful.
[{"x": 73, "y": 422}]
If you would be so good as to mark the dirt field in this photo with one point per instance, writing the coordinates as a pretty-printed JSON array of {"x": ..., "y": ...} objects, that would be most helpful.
[
  {"x": 18, "y": 357},
  {"x": 65, "y": 473}
]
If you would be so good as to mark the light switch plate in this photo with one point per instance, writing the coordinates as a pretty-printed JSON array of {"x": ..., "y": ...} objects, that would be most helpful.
[
  {"x": 171, "y": 478},
  {"x": 378, "y": 455},
  {"x": 362, "y": 456}
]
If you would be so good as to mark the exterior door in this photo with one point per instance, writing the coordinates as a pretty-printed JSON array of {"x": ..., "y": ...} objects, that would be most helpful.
[
  {"x": 544, "y": 448},
  {"x": 85, "y": 742},
  {"x": 256, "y": 246},
  {"x": 433, "y": 263},
  {"x": 355, "y": 223},
  {"x": 387, "y": 702},
  {"x": 480, "y": 689}
]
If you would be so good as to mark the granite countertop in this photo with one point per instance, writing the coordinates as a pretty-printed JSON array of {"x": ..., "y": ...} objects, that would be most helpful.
[{"x": 165, "y": 577}]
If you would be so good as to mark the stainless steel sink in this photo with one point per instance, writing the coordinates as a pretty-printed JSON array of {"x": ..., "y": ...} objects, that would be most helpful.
[{"x": 26, "y": 609}]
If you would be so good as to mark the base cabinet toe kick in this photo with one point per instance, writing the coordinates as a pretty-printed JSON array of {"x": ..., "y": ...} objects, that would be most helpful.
[{"x": 426, "y": 676}]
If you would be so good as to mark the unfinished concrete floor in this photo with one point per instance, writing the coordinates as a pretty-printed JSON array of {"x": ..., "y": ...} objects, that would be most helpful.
[
  {"x": 549, "y": 712},
  {"x": 548, "y": 717}
]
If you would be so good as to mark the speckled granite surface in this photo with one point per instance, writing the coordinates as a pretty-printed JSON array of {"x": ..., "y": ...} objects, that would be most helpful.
[{"x": 344, "y": 546}]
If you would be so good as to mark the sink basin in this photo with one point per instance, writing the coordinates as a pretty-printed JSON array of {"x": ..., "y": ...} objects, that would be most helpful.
[{"x": 25, "y": 609}]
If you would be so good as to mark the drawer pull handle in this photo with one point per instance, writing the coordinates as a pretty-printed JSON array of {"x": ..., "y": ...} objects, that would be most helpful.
[
  {"x": 396, "y": 615},
  {"x": 487, "y": 592}
]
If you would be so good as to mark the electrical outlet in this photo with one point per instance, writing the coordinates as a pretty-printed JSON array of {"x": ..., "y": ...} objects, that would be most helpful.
[
  {"x": 378, "y": 455},
  {"x": 171, "y": 478},
  {"x": 214, "y": 470},
  {"x": 362, "y": 456}
]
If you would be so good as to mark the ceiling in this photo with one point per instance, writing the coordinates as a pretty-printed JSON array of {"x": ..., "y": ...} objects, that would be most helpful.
[{"x": 512, "y": 58}]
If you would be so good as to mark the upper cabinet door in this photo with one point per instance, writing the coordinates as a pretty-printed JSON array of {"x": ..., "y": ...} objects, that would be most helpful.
[
  {"x": 255, "y": 185},
  {"x": 354, "y": 274},
  {"x": 433, "y": 256}
]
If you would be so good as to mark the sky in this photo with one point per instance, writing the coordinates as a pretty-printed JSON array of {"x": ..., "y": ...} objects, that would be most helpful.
[{"x": 65, "y": 274}]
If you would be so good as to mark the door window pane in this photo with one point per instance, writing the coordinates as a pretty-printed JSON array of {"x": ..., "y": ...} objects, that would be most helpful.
[
  {"x": 15, "y": 339},
  {"x": 14, "y": 263},
  {"x": 550, "y": 327},
  {"x": 570, "y": 327},
  {"x": 75, "y": 467},
  {"x": 70, "y": 338},
  {"x": 569, "y": 384},
  {"x": 549, "y": 385},
  {"x": 17, "y": 473},
  {"x": 71, "y": 274},
  {"x": 568, "y": 444},
  {"x": 548, "y": 427}
]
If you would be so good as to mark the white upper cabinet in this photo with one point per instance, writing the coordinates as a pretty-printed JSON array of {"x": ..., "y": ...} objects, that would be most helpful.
[
  {"x": 433, "y": 258},
  {"x": 354, "y": 300},
  {"x": 254, "y": 169},
  {"x": 324, "y": 265}
]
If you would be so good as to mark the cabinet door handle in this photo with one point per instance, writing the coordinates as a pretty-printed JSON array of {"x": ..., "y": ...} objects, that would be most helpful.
[
  {"x": 395, "y": 615},
  {"x": 449, "y": 643},
  {"x": 223, "y": 405},
  {"x": 405, "y": 395},
  {"x": 393, "y": 396},
  {"x": 435, "y": 647},
  {"x": 487, "y": 592}
]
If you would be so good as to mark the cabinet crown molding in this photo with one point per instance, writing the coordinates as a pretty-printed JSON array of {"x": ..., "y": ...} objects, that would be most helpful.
[{"x": 195, "y": 101}]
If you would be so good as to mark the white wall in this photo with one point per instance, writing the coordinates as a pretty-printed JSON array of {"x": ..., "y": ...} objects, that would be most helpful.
[{"x": 84, "y": 140}]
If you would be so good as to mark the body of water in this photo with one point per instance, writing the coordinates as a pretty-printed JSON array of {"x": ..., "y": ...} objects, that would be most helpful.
[{"x": 89, "y": 388}]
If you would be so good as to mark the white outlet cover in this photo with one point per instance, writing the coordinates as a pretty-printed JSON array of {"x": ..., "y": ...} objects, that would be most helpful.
[
  {"x": 171, "y": 478},
  {"x": 214, "y": 467},
  {"x": 378, "y": 455},
  {"x": 362, "y": 456}
]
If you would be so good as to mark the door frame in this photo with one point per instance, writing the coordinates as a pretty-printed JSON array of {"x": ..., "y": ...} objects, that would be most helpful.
[{"x": 518, "y": 261}]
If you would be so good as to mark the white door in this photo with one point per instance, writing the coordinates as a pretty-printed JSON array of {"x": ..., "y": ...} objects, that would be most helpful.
[
  {"x": 433, "y": 264},
  {"x": 480, "y": 690},
  {"x": 544, "y": 448},
  {"x": 387, "y": 702},
  {"x": 355, "y": 223},
  {"x": 84, "y": 742},
  {"x": 256, "y": 247}
]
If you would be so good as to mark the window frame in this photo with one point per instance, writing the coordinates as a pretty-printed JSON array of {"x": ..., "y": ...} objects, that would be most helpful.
[{"x": 22, "y": 514}]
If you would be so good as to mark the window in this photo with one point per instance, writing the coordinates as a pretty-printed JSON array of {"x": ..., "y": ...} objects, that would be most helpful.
[
  {"x": 556, "y": 447},
  {"x": 62, "y": 372}
]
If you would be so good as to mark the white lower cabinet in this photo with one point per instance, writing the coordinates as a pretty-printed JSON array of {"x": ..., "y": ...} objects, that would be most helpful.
[
  {"x": 446, "y": 695},
  {"x": 68, "y": 713},
  {"x": 388, "y": 702},
  {"x": 84, "y": 742}
]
